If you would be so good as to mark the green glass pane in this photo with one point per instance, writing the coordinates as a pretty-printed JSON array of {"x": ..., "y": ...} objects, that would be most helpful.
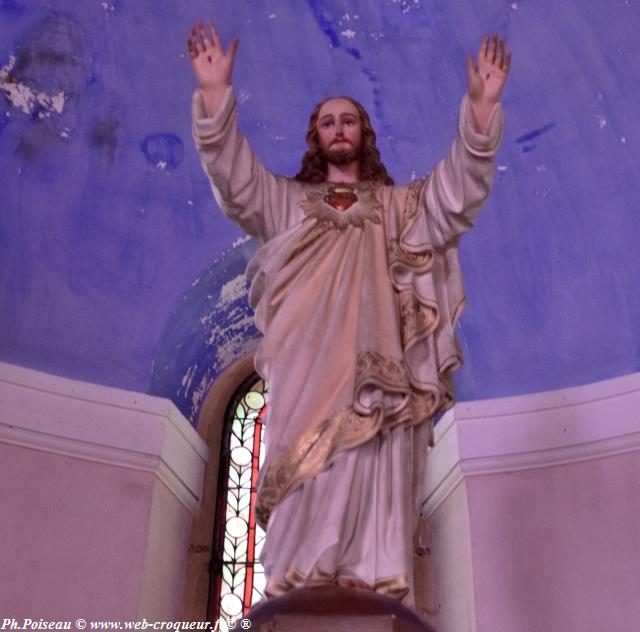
[
  {"x": 254, "y": 400},
  {"x": 240, "y": 412}
]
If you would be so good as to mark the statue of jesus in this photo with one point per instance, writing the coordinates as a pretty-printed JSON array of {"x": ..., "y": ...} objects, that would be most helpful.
[{"x": 357, "y": 289}]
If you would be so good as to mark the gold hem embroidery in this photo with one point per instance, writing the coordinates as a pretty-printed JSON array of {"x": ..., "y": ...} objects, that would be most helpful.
[
  {"x": 310, "y": 454},
  {"x": 343, "y": 430},
  {"x": 396, "y": 586}
]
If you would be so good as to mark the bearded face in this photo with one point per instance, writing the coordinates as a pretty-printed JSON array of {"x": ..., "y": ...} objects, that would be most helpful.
[
  {"x": 357, "y": 147},
  {"x": 339, "y": 132},
  {"x": 339, "y": 155}
]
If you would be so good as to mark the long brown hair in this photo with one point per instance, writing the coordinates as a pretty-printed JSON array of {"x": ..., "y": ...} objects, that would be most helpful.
[{"x": 314, "y": 164}]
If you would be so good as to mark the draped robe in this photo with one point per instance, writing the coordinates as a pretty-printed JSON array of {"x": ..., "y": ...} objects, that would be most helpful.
[{"x": 358, "y": 309}]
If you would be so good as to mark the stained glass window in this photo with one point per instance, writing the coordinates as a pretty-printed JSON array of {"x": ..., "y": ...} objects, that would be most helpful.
[{"x": 237, "y": 577}]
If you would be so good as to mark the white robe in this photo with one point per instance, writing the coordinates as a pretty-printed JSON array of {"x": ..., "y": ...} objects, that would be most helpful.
[{"x": 358, "y": 310}]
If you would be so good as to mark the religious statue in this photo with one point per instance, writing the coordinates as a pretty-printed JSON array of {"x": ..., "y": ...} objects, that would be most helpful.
[{"x": 357, "y": 289}]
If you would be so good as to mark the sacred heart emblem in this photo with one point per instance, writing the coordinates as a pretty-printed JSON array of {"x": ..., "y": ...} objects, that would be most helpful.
[{"x": 341, "y": 198}]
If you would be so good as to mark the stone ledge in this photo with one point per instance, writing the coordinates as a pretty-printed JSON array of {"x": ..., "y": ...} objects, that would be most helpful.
[
  {"x": 102, "y": 424},
  {"x": 335, "y": 609}
]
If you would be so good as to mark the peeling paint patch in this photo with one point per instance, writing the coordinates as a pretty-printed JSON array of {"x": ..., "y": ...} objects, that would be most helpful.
[
  {"x": 188, "y": 378},
  {"x": 24, "y": 98},
  {"x": 348, "y": 33},
  {"x": 347, "y": 18},
  {"x": 407, "y": 5},
  {"x": 240, "y": 240},
  {"x": 230, "y": 341},
  {"x": 200, "y": 392},
  {"x": 232, "y": 290},
  {"x": 602, "y": 120},
  {"x": 502, "y": 167},
  {"x": 57, "y": 102},
  {"x": 210, "y": 328}
]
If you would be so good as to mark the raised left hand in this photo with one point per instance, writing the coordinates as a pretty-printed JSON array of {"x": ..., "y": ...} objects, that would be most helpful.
[{"x": 487, "y": 77}]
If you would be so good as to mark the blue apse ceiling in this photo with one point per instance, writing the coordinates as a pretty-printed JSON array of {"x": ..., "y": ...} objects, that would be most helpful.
[{"x": 117, "y": 267}]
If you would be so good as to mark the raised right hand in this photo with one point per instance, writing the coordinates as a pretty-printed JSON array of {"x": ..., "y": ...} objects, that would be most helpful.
[{"x": 211, "y": 65}]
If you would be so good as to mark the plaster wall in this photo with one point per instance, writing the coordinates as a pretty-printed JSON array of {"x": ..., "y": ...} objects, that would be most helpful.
[
  {"x": 98, "y": 487},
  {"x": 542, "y": 489},
  {"x": 73, "y": 536},
  {"x": 165, "y": 563},
  {"x": 555, "y": 548}
]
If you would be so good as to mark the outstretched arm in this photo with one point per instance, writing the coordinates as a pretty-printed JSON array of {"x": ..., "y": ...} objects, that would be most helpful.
[
  {"x": 247, "y": 192},
  {"x": 459, "y": 185}
]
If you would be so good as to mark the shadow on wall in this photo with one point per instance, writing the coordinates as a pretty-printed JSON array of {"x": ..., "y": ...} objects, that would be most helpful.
[{"x": 211, "y": 327}]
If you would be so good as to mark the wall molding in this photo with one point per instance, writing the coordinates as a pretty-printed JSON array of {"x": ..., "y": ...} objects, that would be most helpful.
[
  {"x": 102, "y": 424},
  {"x": 533, "y": 431}
]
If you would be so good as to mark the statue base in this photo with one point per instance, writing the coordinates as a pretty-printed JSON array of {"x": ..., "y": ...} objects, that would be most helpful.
[{"x": 334, "y": 609}]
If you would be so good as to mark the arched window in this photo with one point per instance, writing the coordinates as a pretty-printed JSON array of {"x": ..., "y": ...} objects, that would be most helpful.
[{"x": 237, "y": 577}]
